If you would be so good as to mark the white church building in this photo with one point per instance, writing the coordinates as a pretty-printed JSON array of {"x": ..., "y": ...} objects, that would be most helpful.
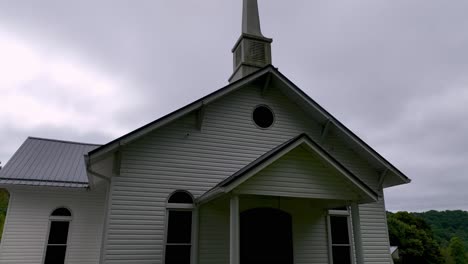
[{"x": 255, "y": 172}]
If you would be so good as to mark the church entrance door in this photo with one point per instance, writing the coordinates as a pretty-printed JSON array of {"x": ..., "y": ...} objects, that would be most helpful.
[{"x": 266, "y": 237}]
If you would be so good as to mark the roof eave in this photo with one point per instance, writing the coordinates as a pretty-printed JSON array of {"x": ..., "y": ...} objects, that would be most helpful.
[{"x": 43, "y": 184}]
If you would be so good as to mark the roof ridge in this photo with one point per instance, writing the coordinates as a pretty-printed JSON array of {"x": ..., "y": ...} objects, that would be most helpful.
[{"x": 64, "y": 141}]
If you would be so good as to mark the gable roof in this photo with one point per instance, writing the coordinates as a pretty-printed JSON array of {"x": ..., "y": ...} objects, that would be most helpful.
[
  {"x": 269, "y": 75},
  {"x": 276, "y": 153},
  {"x": 47, "y": 162}
]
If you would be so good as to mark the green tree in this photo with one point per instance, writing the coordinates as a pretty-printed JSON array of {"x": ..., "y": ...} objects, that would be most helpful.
[
  {"x": 414, "y": 238},
  {"x": 447, "y": 224},
  {"x": 4, "y": 197},
  {"x": 457, "y": 250}
]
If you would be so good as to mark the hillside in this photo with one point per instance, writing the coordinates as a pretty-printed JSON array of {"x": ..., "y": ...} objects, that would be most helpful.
[{"x": 447, "y": 224}]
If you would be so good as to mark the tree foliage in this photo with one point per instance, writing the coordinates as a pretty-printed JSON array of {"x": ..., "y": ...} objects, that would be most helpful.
[
  {"x": 447, "y": 224},
  {"x": 414, "y": 238},
  {"x": 4, "y": 197},
  {"x": 457, "y": 251}
]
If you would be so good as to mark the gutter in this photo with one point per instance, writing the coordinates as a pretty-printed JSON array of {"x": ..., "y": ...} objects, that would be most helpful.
[{"x": 92, "y": 172}]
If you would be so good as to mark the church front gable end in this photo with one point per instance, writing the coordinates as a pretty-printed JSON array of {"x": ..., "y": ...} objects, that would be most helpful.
[{"x": 184, "y": 155}]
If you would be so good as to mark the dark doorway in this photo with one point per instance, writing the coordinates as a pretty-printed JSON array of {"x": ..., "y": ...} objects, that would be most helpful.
[{"x": 266, "y": 237}]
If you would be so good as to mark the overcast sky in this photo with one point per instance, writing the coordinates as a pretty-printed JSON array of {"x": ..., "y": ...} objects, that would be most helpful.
[{"x": 394, "y": 72}]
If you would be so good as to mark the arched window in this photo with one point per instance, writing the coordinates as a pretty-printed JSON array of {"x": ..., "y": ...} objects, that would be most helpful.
[
  {"x": 180, "y": 197},
  {"x": 58, "y": 236},
  {"x": 179, "y": 228}
]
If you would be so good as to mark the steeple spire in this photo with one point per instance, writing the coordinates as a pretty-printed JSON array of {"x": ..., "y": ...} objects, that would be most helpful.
[
  {"x": 250, "y": 18},
  {"x": 252, "y": 51}
]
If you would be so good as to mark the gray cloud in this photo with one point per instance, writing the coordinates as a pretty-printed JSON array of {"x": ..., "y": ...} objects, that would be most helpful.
[{"x": 393, "y": 72}]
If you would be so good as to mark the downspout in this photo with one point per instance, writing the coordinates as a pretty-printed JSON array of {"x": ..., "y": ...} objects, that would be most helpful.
[
  {"x": 106, "y": 206},
  {"x": 94, "y": 173}
]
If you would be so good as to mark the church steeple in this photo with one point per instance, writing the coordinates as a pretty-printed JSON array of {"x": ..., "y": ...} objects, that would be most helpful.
[
  {"x": 250, "y": 18},
  {"x": 252, "y": 51}
]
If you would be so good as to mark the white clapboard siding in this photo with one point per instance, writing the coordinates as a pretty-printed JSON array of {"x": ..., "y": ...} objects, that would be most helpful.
[
  {"x": 310, "y": 236},
  {"x": 179, "y": 156},
  {"x": 25, "y": 235},
  {"x": 309, "y": 229},
  {"x": 214, "y": 233},
  {"x": 374, "y": 232},
  {"x": 301, "y": 174}
]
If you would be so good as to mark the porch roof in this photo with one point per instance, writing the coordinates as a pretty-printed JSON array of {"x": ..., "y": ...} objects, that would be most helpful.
[{"x": 271, "y": 156}]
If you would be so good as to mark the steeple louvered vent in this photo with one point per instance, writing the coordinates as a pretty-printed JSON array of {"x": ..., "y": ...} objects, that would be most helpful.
[
  {"x": 252, "y": 51},
  {"x": 257, "y": 52},
  {"x": 238, "y": 56}
]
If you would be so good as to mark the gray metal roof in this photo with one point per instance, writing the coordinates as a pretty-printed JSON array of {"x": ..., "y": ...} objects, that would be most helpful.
[{"x": 47, "y": 162}]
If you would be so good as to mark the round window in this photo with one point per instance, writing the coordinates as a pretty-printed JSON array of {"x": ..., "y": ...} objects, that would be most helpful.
[{"x": 263, "y": 116}]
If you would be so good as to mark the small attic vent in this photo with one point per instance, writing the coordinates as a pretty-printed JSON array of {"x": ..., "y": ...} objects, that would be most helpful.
[{"x": 257, "y": 52}]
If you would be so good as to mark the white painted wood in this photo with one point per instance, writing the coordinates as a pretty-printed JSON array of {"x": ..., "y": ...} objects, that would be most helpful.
[
  {"x": 214, "y": 231},
  {"x": 195, "y": 235},
  {"x": 309, "y": 228},
  {"x": 309, "y": 225},
  {"x": 25, "y": 235},
  {"x": 106, "y": 219},
  {"x": 329, "y": 241},
  {"x": 375, "y": 241},
  {"x": 356, "y": 224},
  {"x": 299, "y": 173},
  {"x": 180, "y": 157},
  {"x": 234, "y": 230},
  {"x": 309, "y": 232}
]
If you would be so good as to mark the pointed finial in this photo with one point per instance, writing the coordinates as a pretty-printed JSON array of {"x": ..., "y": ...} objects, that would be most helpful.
[{"x": 251, "y": 19}]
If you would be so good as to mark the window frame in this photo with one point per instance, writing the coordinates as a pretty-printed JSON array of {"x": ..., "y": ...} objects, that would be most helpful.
[
  {"x": 346, "y": 214},
  {"x": 185, "y": 207},
  {"x": 53, "y": 218},
  {"x": 272, "y": 113}
]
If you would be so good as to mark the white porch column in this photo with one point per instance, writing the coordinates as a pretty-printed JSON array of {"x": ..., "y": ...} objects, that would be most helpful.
[
  {"x": 357, "y": 233},
  {"x": 234, "y": 230},
  {"x": 195, "y": 219}
]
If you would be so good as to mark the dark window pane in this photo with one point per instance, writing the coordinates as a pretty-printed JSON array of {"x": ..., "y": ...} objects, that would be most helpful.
[
  {"x": 61, "y": 212},
  {"x": 341, "y": 255},
  {"x": 339, "y": 229},
  {"x": 342, "y": 208},
  {"x": 263, "y": 116},
  {"x": 180, "y": 197},
  {"x": 58, "y": 232},
  {"x": 180, "y": 227},
  {"x": 177, "y": 254},
  {"x": 55, "y": 255}
]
